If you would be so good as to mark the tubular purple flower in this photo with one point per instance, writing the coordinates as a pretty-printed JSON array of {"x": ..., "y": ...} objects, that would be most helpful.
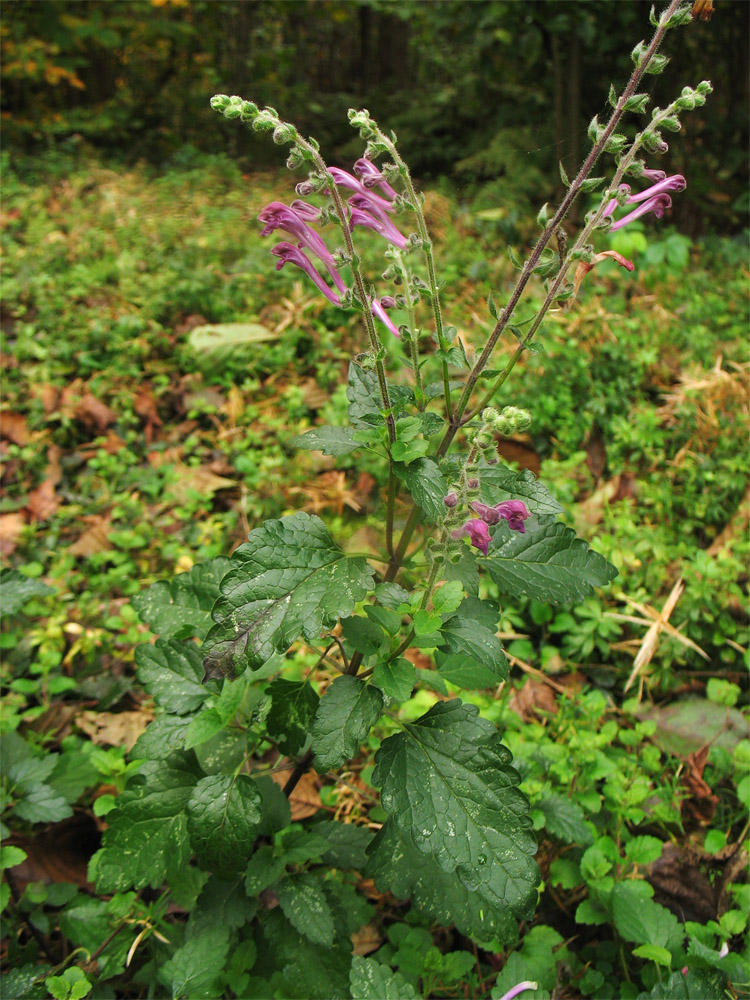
[
  {"x": 520, "y": 988},
  {"x": 279, "y": 216},
  {"x": 657, "y": 205},
  {"x": 290, "y": 254},
  {"x": 514, "y": 512},
  {"x": 477, "y": 531},
  {"x": 344, "y": 179},
  {"x": 674, "y": 183},
  {"x": 305, "y": 210},
  {"x": 379, "y": 313},
  {"x": 654, "y": 175},
  {"x": 359, "y": 217},
  {"x": 371, "y": 177}
]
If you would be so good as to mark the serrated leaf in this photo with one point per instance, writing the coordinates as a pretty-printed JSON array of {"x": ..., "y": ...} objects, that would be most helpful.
[
  {"x": 467, "y": 634},
  {"x": 42, "y": 804},
  {"x": 362, "y": 634},
  {"x": 16, "y": 589},
  {"x": 363, "y": 393},
  {"x": 293, "y": 707},
  {"x": 221, "y": 903},
  {"x": 566, "y": 820},
  {"x": 147, "y": 830},
  {"x": 203, "y": 727},
  {"x": 329, "y": 440},
  {"x": 347, "y": 844},
  {"x": 369, "y": 980},
  {"x": 274, "y": 805},
  {"x": 696, "y": 984},
  {"x": 193, "y": 969},
  {"x": 499, "y": 483},
  {"x": 181, "y": 608},
  {"x": 395, "y": 678},
  {"x": 263, "y": 869},
  {"x": 11, "y": 856},
  {"x": 163, "y": 736},
  {"x": 641, "y": 920},
  {"x": 399, "y": 867},
  {"x": 290, "y": 579},
  {"x": 172, "y": 671},
  {"x": 549, "y": 564},
  {"x": 223, "y": 818},
  {"x": 465, "y": 673},
  {"x": 643, "y": 850},
  {"x": 347, "y": 712},
  {"x": 426, "y": 485},
  {"x": 304, "y": 904},
  {"x": 310, "y": 971},
  {"x": 448, "y": 785},
  {"x": 297, "y": 846}
]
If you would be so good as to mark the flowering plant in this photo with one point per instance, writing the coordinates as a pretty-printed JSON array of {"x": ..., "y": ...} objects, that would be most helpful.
[{"x": 457, "y": 833}]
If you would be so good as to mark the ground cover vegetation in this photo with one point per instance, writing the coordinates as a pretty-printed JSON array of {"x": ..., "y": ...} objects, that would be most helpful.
[{"x": 168, "y": 394}]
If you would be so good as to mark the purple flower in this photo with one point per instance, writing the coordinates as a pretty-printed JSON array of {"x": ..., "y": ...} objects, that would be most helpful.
[
  {"x": 305, "y": 210},
  {"x": 344, "y": 179},
  {"x": 290, "y": 254},
  {"x": 477, "y": 531},
  {"x": 378, "y": 311},
  {"x": 514, "y": 512},
  {"x": 652, "y": 199},
  {"x": 279, "y": 216},
  {"x": 371, "y": 177},
  {"x": 520, "y": 988},
  {"x": 379, "y": 222}
]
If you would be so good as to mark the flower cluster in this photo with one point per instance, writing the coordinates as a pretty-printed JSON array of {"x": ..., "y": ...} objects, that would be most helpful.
[
  {"x": 653, "y": 199},
  {"x": 365, "y": 208},
  {"x": 514, "y": 512}
]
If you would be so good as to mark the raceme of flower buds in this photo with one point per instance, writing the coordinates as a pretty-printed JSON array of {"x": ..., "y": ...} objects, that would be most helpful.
[{"x": 514, "y": 512}]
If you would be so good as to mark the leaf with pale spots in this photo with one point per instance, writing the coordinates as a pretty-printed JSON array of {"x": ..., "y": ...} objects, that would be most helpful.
[
  {"x": 289, "y": 579},
  {"x": 449, "y": 788},
  {"x": 347, "y": 712},
  {"x": 223, "y": 818}
]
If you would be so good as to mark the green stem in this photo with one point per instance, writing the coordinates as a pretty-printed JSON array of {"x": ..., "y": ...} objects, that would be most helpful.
[{"x": 390, "y": 508}]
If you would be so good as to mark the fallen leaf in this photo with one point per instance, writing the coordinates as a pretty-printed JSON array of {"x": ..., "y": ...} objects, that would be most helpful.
[
  {"x": 59, "y": 852},
  {"x": 14, "y": 427},
  {"x": 521, "y": 452},
  {"x": 114, "y": 729},
  {"x": 145, "y": 406},
  {"x": 701, "y": 803},
  {"x": 305, "y": 799},
  {"x": 596, "y": 452},
  {"x": 533, "y": 698},
  {"x": 366, "y": 940},
  {"x": 95, "y": 538},
  {"x": 197, "y": 479},
  {"x": 42, "y": 502},
  {"x": 50, "y": 397},
  {"x": 112, "y": 444},
  {"x": 95, "y": 414},
  {"x": 11, "y": 526}
]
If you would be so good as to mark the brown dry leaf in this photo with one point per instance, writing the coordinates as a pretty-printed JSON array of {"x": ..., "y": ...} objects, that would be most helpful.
[
  {"x": 13, "y": 427},
  {"x": 314, "y": 395},
  {"x": 197, "y": 479},
  {"x": 596, "y": 452},
  {"x": 42, "y": 502},
  {"x": 95, "y": 538},
  {"x": 305, "y": 799},
  {"x": 532, "y": 696},
  {"x": 366, "y": 940},
  {"x": 518, "y": 451},
  {"x": 111, "y": 444},
  {"x": 11, "y": 526},
  {"x": 420, "y": 660},
  {"x": 329, "y": 491},
  {"x": 94, "y": 414},
  {"x": 590, "y": 512},
  {"x": 234, "y": 406},
  {"x": 701, "y": 804},
  {"x": 145, "y": 406},
  {"x": 50, "y": 397},
  {"x": 114, "y": 729}
]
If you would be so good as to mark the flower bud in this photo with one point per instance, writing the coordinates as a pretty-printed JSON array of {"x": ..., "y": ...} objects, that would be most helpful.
[
  {"x": 388, "y": 302},
  {"x": 472, "y": 483},
  {"x": 219, "y": 102},
  {"x": 450, "y": 499},
  {"x": 483, "y": 439},
  {"x": 284, "y": 133},
  {"x": 249, "y": 111},
  {"x": 489, "y": 414}
]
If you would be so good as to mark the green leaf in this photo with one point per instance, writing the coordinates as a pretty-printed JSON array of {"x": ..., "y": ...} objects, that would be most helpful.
[
  {"x": 643, "y": 850},
  {"x": 42, "y": 804},
  {"x": 425, "y": 484},
  {"x": 363, "y": 634},
  {"x": 310, "y": 971},
  {"x": 329, "y": 440},
  {"x": 465, "y": 673},
  {"x": 223, "y": 817},
  {"x": 396, "y": 678},
  {"x": 263, "y": 869},
  {"x": 192, "y": 972},
  {"x": 172, "y": 671},
  {"x": 293, "y": 708},
  {"x": 298, "y": 846},
  {"x": 163, "y": 736},
  {"x": 347, "y": 712},
  {"x": 88, "y": 922},
  {"x": 369, "y": 980},
  {"x": 304, "y": 904},
  {"x": 399, "y": 867},
  {"x": 447, "y": 598},
  {"x": 181, "y": 608},
  {"x": 696, "y": 985},
  {"x": 16, "y": 589},
  {"x": 203, "y": 727},
  {"x": 347, "y": 844},
  {"x": 448, "y": 785},
  {"x": 465, "y": 633},
  {"x": 548, "y": 564},
  {"x": 290, "y": 579},
  {"x": 566, "y": 820},
  {"x": 654, "y": 953},
  {"x": 363, "y": 393},
  {"x": 274, "y": 805},
  {"x": 641, "y": 920},
  {"x": 222, "y": 903},
  {"x": 147, "y": 833},
  {"x": 499, "y": 483},
  {"x": 11, "y": 856}
]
